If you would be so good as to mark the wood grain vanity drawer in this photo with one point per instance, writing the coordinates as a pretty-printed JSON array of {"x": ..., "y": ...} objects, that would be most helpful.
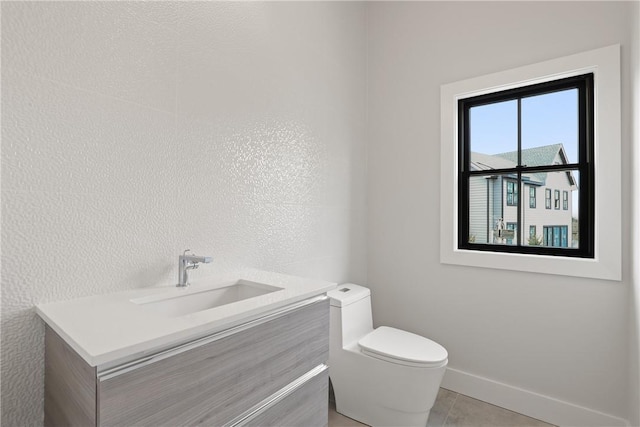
[
  {"x": 69, "y": 385},
  {"x": 295, "y": 410},
  {"x": 212, "y": 383}
]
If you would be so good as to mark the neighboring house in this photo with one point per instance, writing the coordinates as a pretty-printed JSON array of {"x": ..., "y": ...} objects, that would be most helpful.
[{"x": 546, "y": 199}]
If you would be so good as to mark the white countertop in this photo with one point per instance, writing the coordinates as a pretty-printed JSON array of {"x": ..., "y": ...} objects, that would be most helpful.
[{"x": 110, "y": 329}]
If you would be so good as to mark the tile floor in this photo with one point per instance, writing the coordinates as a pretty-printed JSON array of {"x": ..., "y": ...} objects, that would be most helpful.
[{"x": 456, "y": 410}]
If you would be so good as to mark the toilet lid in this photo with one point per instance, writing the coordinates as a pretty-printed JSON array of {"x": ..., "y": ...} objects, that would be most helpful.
[{"x": 405, "y": 348}]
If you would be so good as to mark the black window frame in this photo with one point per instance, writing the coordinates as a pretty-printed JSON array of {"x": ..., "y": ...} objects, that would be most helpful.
[
  {"x": 565, "y": 200},
  {"x": 556, "y": 200},
  {"x": 584, "y": 167}
]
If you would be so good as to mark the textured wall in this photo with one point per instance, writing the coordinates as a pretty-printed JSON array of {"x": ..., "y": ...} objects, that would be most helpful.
[
  {"x": 562, "y": 337},
  {"x": 132, "y": 131}
]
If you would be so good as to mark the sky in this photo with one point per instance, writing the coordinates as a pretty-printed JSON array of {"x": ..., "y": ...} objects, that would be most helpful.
[{"x": 546, "y": 119}]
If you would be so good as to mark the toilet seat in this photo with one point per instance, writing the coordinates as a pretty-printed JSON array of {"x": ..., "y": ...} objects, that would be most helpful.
[{"x": 402, "y": 347}]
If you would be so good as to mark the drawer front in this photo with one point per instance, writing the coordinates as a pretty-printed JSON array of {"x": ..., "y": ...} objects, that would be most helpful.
[
  {"x": 308, "y": 406},
  {"x": 69, "y": 385},
  {"x": 213, "y": 383}
]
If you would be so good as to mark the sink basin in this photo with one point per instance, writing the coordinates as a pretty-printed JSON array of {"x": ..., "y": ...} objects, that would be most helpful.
[{"x": 199, "y": 300}]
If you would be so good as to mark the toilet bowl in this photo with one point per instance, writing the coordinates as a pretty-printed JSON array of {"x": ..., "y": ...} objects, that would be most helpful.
[{"x": 381, "y": 377}]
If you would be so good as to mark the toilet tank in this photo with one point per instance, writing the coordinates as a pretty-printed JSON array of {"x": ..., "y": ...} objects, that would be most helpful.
[{"x": 350, "y": 313}]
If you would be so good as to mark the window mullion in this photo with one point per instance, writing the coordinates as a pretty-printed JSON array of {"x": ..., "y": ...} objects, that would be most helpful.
[{"x": 520, "y": 225}]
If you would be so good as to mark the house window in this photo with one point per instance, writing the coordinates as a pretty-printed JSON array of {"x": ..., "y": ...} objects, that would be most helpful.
[
  {"x": 534, "y": 240},
  {"x": 565, "y": 200},
  {"x": 532, "y": 197},
  {"x": 508, "y": 138},
  {"x": 556, "y": 236},
  {"x": 547, "y": 198},
  {"x": 513, "y": 228},
  {"x": 512, "y": 194}
]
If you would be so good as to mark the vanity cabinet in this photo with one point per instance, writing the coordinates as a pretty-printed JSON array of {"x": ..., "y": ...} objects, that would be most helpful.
[{"x": 268, "y": 371}]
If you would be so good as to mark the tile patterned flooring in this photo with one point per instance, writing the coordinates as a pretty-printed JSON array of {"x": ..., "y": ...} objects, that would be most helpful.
[{"x": 456, "y": 410}]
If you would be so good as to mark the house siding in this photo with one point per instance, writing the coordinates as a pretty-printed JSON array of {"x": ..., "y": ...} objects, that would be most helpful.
[
  {"x": 478, "y": 208},
  {"x": 496, "y": 208}
]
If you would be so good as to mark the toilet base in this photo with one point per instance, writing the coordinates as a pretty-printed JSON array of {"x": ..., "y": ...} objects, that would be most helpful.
[
  {"x": 377, "y": 416},
  {"x": 383, "y": 394}
]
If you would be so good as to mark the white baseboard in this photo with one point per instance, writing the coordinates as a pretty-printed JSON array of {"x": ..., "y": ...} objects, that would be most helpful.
[{"x": 526, "y": 402}]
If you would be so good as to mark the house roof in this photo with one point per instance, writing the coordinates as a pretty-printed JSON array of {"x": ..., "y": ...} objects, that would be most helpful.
[
  {"x": 480, "y": 161},
  {"x": 537, "y": 156}
]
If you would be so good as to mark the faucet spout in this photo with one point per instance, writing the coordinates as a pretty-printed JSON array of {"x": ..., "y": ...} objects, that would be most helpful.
[
  {"x": 189, "y": 262},
  {"x": 196, "y": 259}
]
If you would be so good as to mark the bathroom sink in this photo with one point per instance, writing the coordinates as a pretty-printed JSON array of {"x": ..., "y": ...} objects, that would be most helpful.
[{"x": 180, "y": 302}]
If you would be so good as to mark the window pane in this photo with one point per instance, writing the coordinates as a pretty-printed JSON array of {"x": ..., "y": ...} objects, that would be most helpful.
[
  {"x": 492, "y": 218},
  {"x": 511, "y": 229},
  {"x": 493, "y": 129},
  {"x": 556, "y": 227},
  {"x": 512, "y": 192},
  {"x": 550, "y": 122},
  {"x": 532, "y": 197},
  {"x": 547, "y": 198}
]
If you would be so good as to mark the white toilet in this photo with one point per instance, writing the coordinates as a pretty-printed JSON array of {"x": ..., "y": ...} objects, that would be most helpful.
[{"x": 381, "y": 377}]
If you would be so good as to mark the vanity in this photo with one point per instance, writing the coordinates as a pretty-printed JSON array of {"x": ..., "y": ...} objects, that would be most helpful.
[{"x": 242, "y": 349}]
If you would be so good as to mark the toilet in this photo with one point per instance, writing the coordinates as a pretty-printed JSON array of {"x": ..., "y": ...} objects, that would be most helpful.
[{"x": 383, "y": 376}]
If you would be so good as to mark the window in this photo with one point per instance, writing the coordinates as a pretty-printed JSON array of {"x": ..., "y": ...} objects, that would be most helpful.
[
  {"x": 509, "y": 138},
  {"x": 547, "y": 198},
  {"x": 512, "y": 194},
  {"x": 532, "y": 197},
  {"x": 512, "y": 227},
  {"x": 534, "y": 240},
  {"x": 604, "y": 184},
  {"x": 556, "y": 235},
  {"x": 565, "y": 200}
]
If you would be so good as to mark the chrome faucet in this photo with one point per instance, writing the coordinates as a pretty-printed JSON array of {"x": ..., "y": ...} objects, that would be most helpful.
[{"x": 189, "y": 262}]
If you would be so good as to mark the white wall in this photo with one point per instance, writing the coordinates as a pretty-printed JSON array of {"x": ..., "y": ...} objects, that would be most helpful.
[
  {"x": 634, "y": 299},
  {"x": 560, "y": 343},
  {"x": 132, "y": 131}
]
